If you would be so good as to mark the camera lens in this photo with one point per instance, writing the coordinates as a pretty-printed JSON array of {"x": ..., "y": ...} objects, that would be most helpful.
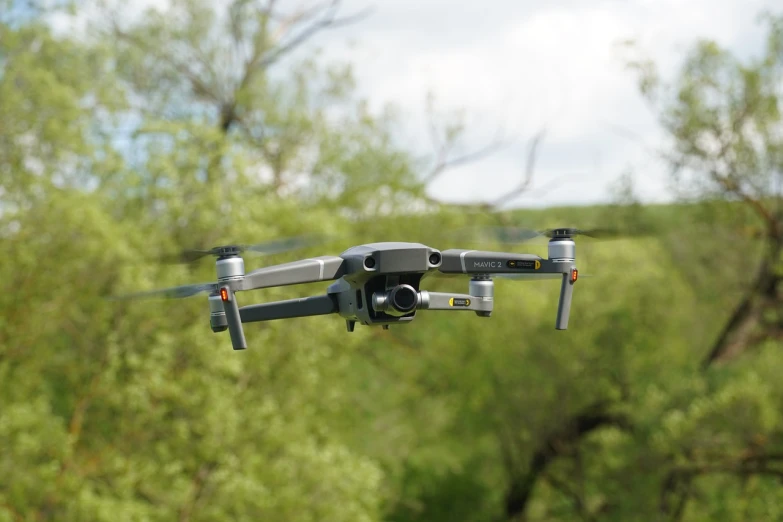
[
  {"x": 403, "y": 298},
  {"x": 369, "y": 262},
  {"x": 434, "y": 258}
]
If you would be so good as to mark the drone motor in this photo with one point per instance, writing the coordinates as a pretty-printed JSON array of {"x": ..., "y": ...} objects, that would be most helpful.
[
  {"x": 483, "y": 288},
  {"x": 230, "y": 267}
]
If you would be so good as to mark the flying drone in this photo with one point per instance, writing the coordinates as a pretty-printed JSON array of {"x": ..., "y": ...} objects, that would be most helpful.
[{"x": 377, "y": 284}]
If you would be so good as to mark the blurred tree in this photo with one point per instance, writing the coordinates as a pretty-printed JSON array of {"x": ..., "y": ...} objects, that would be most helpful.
[
  {"x": 723, "y": 116},
  {"x": 143, "y": 138},
  {"x": 212, "y": 120}
]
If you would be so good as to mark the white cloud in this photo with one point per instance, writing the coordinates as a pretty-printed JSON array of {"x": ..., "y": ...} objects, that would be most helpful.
[
  {"x": 531, "y": 64},
  {"x": 523, "y": 65}
]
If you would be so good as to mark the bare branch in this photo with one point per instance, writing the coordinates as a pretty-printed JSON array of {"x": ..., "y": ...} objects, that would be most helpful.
[
  {"x": 326, "y": 21},
  {"x": 442, "y": 163},
  {"x": 529, "y": 171},
  {"x": 444, "y": 138}
]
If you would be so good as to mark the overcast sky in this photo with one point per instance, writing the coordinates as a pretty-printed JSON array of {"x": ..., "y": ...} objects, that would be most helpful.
[{"x": 524, "y": 65}]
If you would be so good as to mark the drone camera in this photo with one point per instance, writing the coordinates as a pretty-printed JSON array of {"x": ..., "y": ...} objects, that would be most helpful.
[
  {"x": 399, "y": 301},
  {"x": 403, "y": 298},
  {"x": 369, "y": 263}
]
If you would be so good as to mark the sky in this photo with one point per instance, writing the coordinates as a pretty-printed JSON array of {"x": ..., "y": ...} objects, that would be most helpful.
[
  {"x": 523, "y": 66},
  {"x": 527, "y": 65}
]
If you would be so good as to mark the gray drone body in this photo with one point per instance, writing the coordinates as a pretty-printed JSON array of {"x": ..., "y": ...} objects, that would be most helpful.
[{"x": 379, "y": 284}]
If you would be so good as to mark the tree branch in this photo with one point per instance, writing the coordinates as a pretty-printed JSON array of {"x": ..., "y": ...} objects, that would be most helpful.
[
  {"x": 731, "y": 186},
  {"x": 679, "y": 478},
  {"x": 199, "y": 87},
  {"x": 556, "y": 444},
  {"x": 529, "y": 171},
  {"x": 444, "y": 138},
  {"x": 328, "y": 20},
  {"x": 729, "y": 181},
  {"x": 575, "y": 497},
  {"x": 739, "y": 332}
]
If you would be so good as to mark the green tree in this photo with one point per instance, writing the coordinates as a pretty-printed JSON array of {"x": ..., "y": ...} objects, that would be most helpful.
[{"x": 723, "y": 118}]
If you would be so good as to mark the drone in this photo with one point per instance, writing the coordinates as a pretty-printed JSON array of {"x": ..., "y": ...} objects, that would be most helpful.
[{"x": 378, "y": 284}]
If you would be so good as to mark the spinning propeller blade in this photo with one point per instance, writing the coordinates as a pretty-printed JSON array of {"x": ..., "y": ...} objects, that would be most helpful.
[
  {"x": 597, "y": 233},
  {"x": 517, "y": 235},
  {"x": 266, "y": 248},
  {"x": 177, "y": 292}
]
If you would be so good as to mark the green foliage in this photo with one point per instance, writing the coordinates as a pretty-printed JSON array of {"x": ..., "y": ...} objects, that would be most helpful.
[{"x": 112, "y": 153}]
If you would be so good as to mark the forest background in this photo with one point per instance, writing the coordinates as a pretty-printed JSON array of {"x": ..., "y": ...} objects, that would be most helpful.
[{"x": 662, "y": 401}]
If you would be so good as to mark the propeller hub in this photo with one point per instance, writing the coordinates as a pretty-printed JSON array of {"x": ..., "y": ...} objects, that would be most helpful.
[
  {"x": 228, "y": 251},
  {"x": 563, "y": 233}
]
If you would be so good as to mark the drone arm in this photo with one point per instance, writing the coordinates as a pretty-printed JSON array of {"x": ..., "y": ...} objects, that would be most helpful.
[
  {"x": 304, "y": 307},
  {"x": 324, "y": 268},
  {"x": 448, "y": 301},
  {"x": 458, "y": 261}
]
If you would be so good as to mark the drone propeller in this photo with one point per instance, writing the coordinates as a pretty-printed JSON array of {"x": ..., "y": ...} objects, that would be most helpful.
[
  {"x": 266, "y": 248},
  {"x": 597, "y": 233},
  {"x": 516, "y": 235},
  {"x": 177, "y": 292}
]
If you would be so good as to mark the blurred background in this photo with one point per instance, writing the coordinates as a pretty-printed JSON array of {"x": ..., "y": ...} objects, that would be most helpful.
[{"x": 130, "y": 131}]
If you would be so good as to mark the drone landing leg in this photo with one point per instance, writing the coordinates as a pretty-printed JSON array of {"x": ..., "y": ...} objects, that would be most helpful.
[
  {"x": 233, "y": 318},
  {"x": 564, "y": 305},
  {"x": 304, "y": 307}
]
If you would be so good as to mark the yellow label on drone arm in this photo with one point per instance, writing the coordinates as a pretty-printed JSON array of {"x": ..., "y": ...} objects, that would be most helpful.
[
  {"x": 525, "y": 264},
  {"x": 459, "y": 301}
]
